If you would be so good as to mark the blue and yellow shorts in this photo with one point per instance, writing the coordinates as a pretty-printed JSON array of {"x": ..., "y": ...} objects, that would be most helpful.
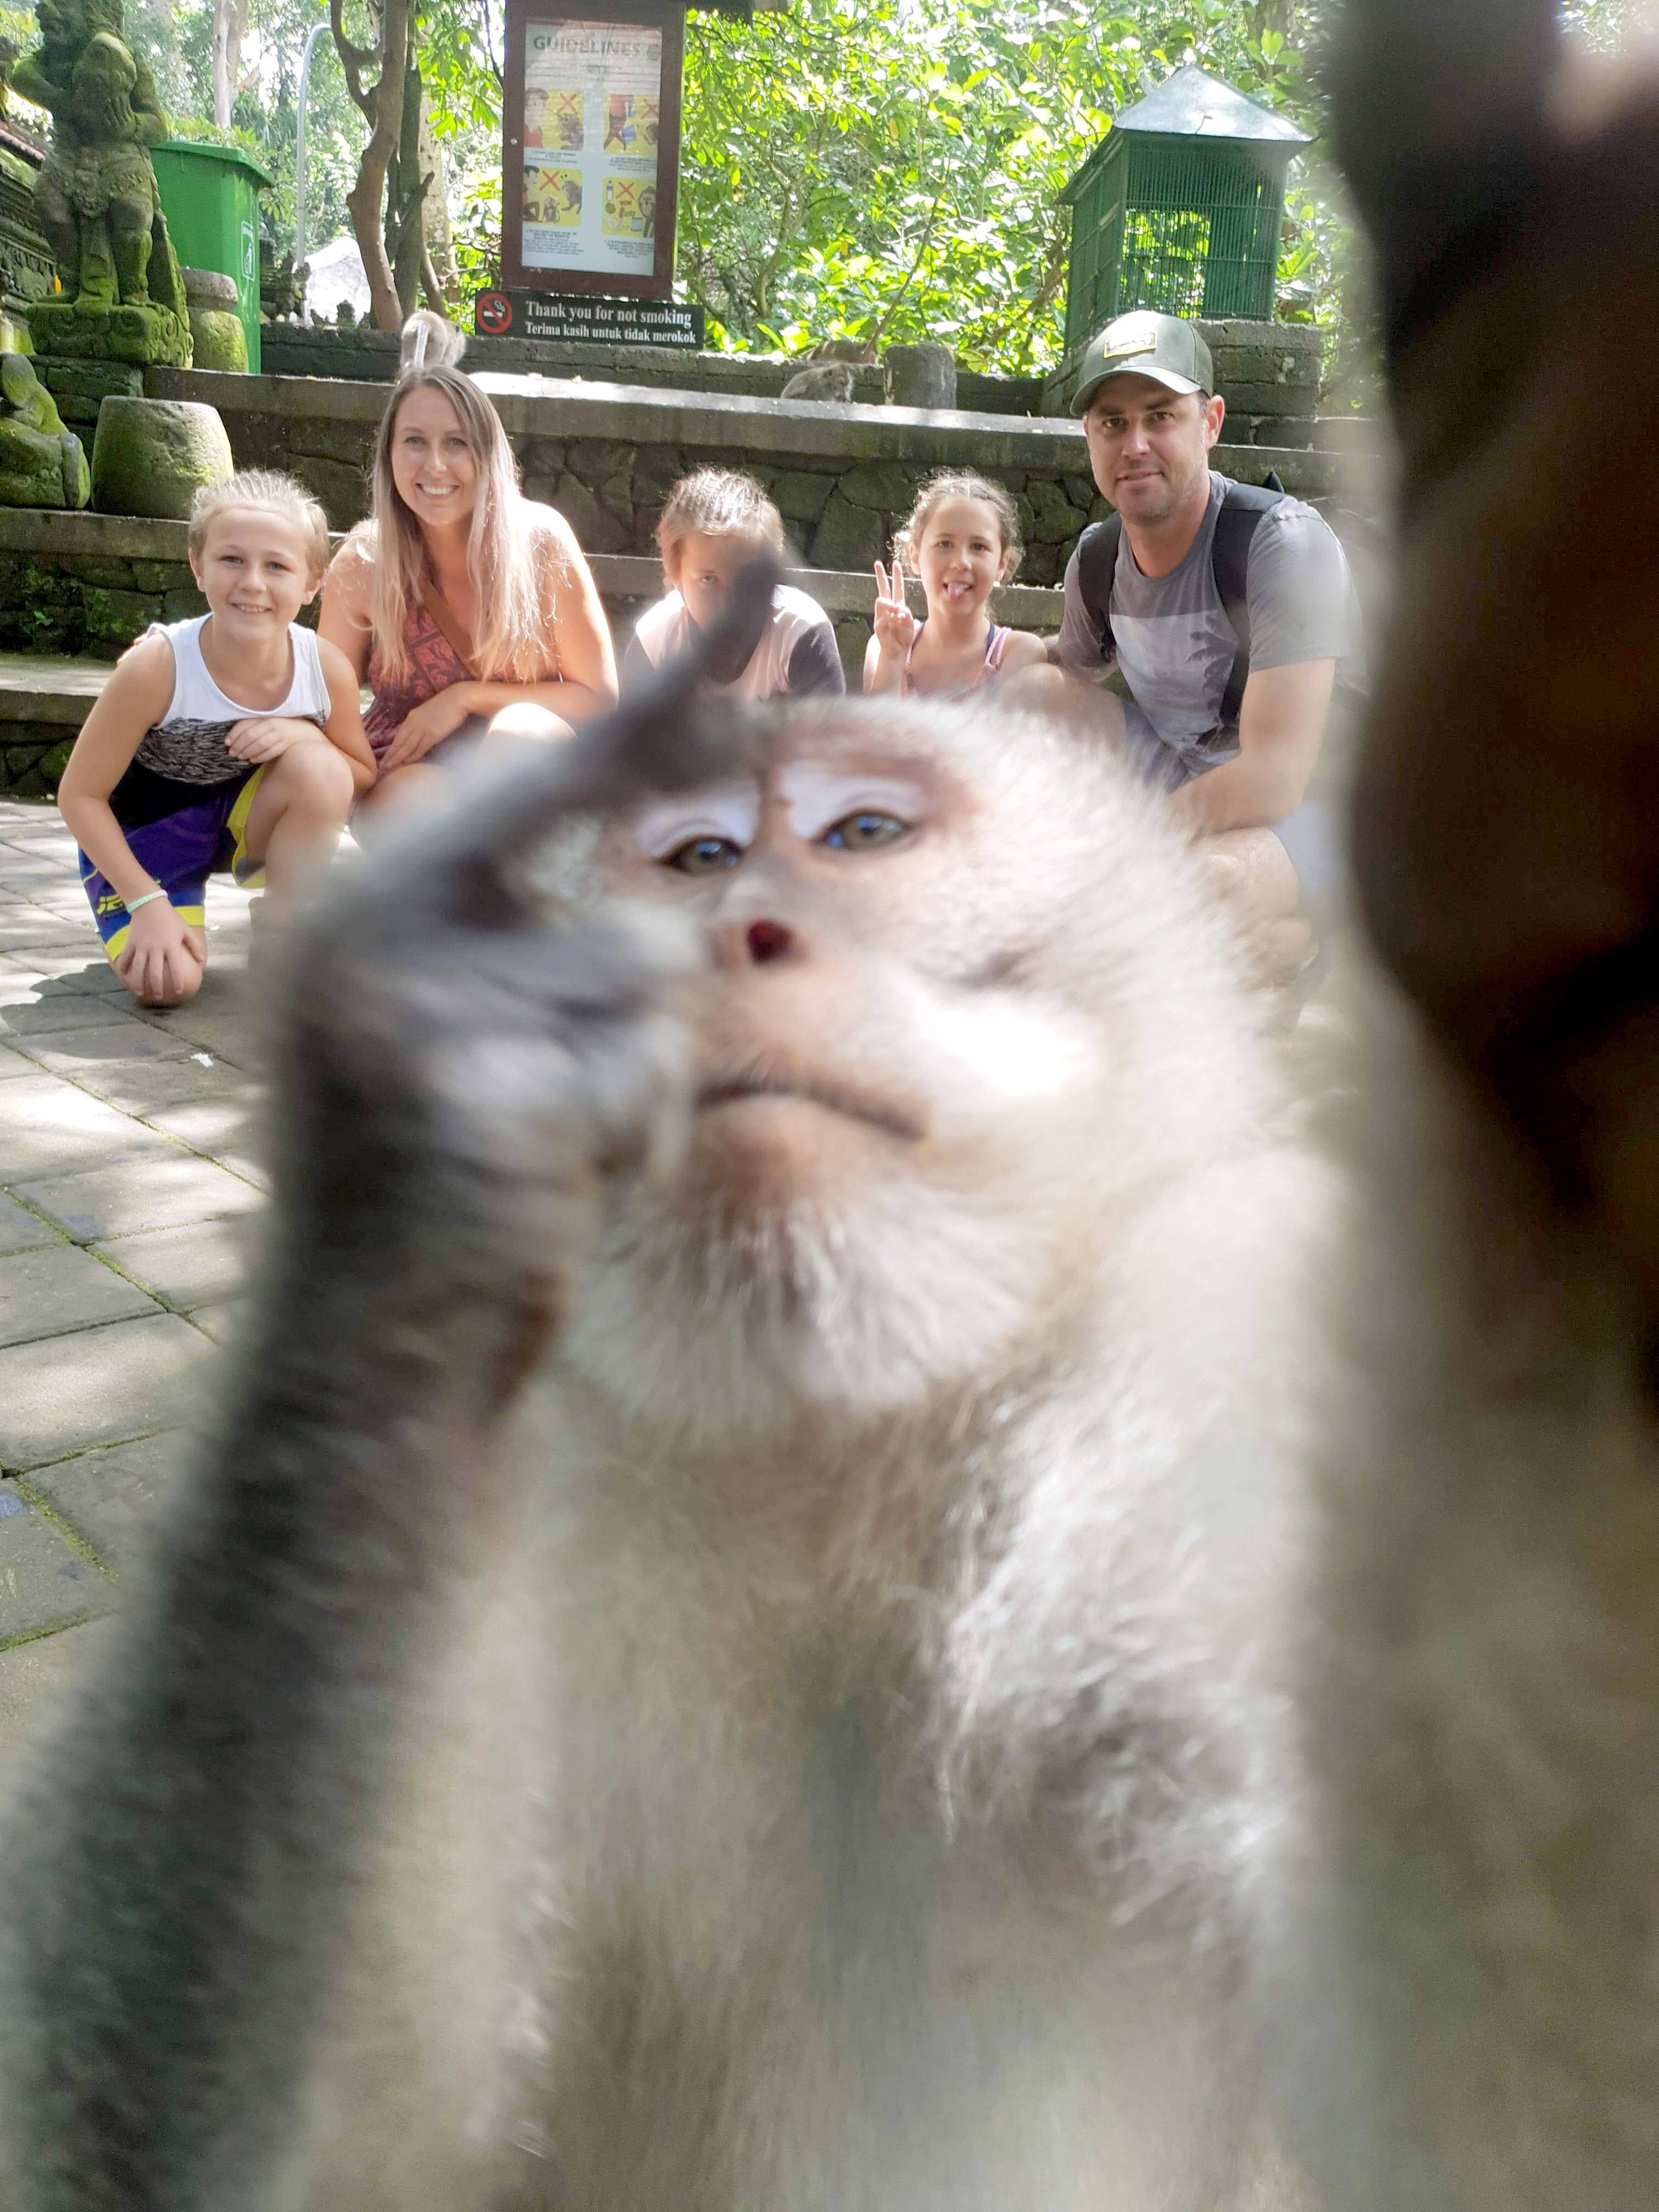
[{"x": 181, "y": 850}]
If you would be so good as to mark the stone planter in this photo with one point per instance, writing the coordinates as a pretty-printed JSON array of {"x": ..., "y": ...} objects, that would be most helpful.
[
  {"x": 150, "y": 456},
  {"x": 216, "y": 337}
]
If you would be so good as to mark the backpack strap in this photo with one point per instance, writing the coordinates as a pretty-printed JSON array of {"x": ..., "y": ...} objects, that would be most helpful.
[
  {"x": 1096, "y": 567},
  {"x": 1241, "y": 511}
]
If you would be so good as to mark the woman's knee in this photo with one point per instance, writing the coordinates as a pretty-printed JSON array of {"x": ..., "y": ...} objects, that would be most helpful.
[{"x": 524, "y": 721}]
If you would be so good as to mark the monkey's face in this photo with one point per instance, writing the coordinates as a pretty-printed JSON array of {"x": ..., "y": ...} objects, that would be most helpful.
[{"x": 943, "y": 999}]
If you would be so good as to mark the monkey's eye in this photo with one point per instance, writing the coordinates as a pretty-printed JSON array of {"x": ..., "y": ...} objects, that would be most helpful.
[
  {"x": 703, "y": 856},
  {"x": 863, "y": 831}
]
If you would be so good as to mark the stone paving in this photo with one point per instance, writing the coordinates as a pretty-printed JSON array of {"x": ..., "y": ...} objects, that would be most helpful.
[{"x": 128, "y": 1171}]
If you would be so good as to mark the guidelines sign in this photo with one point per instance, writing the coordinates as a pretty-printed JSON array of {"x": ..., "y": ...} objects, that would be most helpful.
[{"x": 593, "y": 110}]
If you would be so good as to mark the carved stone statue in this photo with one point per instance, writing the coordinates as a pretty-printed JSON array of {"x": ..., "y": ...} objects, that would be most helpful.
[
  {"x": 96, "y": 195},
  {"x": 41, "y": 463}
]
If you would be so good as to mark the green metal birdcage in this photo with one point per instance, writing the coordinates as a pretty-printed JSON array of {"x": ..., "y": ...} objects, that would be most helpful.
[{"x": 1179, "y": 208}]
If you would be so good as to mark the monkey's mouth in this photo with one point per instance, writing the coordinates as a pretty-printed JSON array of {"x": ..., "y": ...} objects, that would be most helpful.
[{"x": 737, "y": 1090}]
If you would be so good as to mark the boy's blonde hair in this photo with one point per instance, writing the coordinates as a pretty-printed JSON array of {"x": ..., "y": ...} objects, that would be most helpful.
[
  {"x": 264, "y": 488},
  {"x": 721, "y": 503},
  {"x": 960, "y": 483},
  {"x": 511, "y": 558}
]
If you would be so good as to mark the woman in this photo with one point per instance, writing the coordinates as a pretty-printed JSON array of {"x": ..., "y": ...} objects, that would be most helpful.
[{"x": 459, "y": 598}]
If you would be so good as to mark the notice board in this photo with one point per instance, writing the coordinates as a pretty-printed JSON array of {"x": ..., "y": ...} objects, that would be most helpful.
[{"x": 591, "y": 148}]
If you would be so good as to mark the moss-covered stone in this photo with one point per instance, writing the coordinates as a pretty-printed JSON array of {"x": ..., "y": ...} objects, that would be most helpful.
[
  {"x": 800, "y": 495},
  {"x": 114, "y": 619},
  {"x": 184, "y": 600},
  {"x": 52, "y": 763},
  {"x": 151, "y": 456},
  {"x": 142, "y": 335},
  {"x": 847, "y": 537},
  {"x": 616, "y": 487},
  {"x": 887, "y": 486},
  {"x": 217, "y": 340},
  {"x": 162, "y": 576},
  {"x": 108, "y": 575},
  {"x": 853, "y": 634},
  {"x": 597, "y": 532},
  {"x": 41, "y": 463},
  {"x": 1053, "y": 516}
]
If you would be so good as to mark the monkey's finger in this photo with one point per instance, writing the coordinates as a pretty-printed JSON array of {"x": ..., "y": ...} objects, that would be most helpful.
[{"x": 463, "y": 863}]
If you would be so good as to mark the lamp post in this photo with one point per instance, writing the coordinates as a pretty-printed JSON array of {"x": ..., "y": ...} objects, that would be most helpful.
[{"x": 318, "y": 31}]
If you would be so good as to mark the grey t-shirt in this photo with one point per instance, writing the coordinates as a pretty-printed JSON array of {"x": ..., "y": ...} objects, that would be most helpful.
[{"x": 1175, "y": 647}]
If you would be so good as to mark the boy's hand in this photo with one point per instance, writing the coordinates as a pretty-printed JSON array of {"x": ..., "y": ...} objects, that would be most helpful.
[
  {"x": 263, "y": 738},
  {"x": 161, "y": 962}
]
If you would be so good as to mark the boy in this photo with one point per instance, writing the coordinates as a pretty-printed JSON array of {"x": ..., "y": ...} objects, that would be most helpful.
[{"x": 230, "y": 740}]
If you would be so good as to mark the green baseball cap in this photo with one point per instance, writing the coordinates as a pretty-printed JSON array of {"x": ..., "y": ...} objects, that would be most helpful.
[{"x": 1163, "y": 347}]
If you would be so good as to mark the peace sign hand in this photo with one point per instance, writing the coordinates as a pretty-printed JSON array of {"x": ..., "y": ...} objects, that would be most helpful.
[{"x": 896, "y": 626}]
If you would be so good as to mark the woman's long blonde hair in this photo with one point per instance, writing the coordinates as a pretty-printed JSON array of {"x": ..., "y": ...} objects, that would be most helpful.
[{"x": 507, "y": 556}]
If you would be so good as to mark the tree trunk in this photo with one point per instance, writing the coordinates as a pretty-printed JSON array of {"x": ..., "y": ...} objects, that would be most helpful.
[
  {"x": 406, "y": 185},
  {"x": 440, "y": 245},
  {"x": 229, "y": 21},
  {"x": 384, "y": 106}
]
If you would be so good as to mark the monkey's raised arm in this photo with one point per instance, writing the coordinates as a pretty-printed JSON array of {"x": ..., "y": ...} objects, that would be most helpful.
[
  {"x": 1439, "y": 112},
  {"x": 181, "y": 1897},
  {"x": 1504, "y": 819}
]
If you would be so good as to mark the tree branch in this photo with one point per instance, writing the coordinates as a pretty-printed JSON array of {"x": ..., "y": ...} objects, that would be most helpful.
[{"x": 363, "y": 201}]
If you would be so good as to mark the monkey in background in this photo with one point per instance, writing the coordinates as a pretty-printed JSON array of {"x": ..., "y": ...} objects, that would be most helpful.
[
  {"x": 1462, "y": 1945},
  {"x": 712, "y": 1660}
]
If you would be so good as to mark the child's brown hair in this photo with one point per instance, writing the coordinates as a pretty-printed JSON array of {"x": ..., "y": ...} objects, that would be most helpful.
[
  {"x": 960, "y": 483},
  {"x": 264, "y": 488},
  {"x": 721, "y": 503}
]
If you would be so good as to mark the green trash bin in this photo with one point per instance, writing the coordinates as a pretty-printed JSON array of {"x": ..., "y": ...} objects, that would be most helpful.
[{"x": 210, "y": 198}]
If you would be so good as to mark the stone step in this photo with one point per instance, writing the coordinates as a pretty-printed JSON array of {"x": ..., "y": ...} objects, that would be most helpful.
[
  {"x": 46, "y": 697},
  {"x": 49, "y": 688}
]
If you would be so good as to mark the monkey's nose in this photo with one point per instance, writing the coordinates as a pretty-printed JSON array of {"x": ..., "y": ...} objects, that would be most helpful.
[{"x": 767, "y": 940}]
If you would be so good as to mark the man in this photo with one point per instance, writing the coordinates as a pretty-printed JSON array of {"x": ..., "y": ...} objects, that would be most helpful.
[{"x": 1231, "y": 722}]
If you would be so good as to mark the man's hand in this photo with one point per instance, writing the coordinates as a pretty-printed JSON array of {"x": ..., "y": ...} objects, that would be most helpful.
[
  {"x": 161, "y": 961},
  {"x": 428, "y": 724},
  {"x": 263, "y": 738}
]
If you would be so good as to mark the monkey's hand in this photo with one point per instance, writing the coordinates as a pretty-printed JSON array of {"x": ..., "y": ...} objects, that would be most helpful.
[{"x": 460, "y": 1069}]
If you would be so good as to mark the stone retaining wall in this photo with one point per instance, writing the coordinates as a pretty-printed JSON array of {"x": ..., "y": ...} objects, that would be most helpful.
[
  {"x": 1267, "y": 373},
  {"x": 605, "y": 455}
]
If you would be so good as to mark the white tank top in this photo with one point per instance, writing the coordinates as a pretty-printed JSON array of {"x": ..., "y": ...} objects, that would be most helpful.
[{"x": 187, "y": 745}]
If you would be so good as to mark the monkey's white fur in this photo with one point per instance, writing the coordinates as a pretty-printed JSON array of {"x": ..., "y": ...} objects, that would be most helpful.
[
  {"x": 833, "y": 1771},
  {"x": 887, "y": 1597}
]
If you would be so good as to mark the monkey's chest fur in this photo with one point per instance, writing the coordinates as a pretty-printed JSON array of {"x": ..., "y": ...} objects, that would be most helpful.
[{"x": 766, "y": 1964}]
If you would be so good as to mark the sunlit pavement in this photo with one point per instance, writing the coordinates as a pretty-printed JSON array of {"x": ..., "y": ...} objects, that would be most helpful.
[{"x": 130, "y": 1179}]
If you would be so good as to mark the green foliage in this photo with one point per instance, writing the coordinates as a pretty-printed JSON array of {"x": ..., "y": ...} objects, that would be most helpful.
[
  {"x": 175, "y": 37},
  {"x": 877, "y": 169}
]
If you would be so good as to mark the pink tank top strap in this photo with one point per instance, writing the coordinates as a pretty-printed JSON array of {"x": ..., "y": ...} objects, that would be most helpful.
[
  {"x": 995, "y": 645},
  {"x": 907, "y": 682}
]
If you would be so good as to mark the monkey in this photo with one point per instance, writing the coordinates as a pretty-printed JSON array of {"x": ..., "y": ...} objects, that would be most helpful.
[
  {"x": 1457, "y": 1947},
  {"x": 711, "y": 1656}
]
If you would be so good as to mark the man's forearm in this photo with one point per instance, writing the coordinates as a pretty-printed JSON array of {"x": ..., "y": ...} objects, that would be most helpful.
[{"x": 1247, "y": 794}]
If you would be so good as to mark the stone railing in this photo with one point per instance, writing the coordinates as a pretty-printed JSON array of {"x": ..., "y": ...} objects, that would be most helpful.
[
  {"x": 605, "y": 455},
  {"x": 1267, "y": 373}
]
